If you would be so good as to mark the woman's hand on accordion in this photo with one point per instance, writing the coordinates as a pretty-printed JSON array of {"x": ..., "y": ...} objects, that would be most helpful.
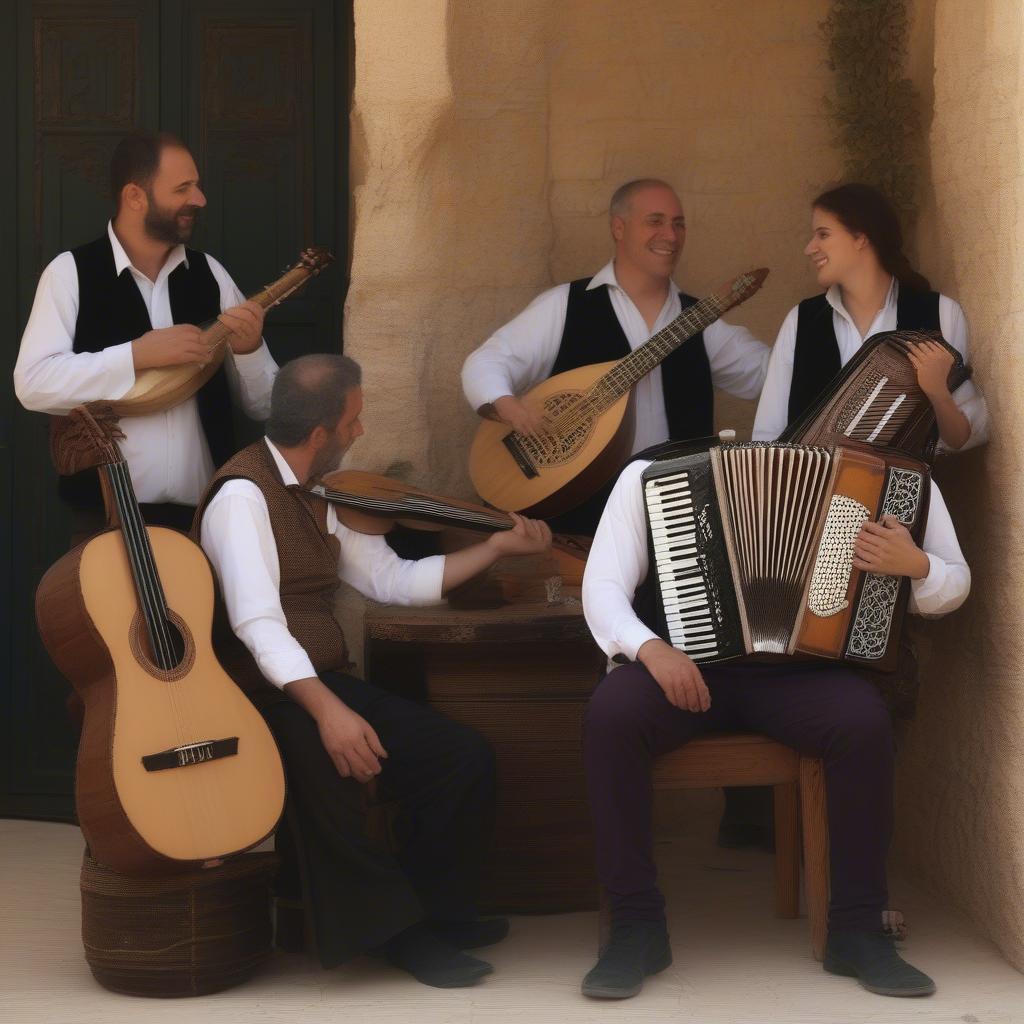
[
  {"x": 887, "y": 549},
  {"x": 676, "y": 674}
]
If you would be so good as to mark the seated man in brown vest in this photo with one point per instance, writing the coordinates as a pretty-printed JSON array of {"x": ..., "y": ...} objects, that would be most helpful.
[{"x": 279, "y": 551}]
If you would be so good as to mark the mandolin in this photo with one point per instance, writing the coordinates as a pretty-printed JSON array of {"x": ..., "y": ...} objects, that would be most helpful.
[
  {"x": 175, "y": 765},
  {"x": 588, "y": 420},
  {"x": 162, "y": 387}
]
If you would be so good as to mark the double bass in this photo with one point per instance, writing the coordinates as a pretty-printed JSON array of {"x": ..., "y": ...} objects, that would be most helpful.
[{"x": 175, "y": 765}]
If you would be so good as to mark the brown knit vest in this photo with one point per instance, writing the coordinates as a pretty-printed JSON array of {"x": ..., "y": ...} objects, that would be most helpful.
[{"x": 308, "y": 557}]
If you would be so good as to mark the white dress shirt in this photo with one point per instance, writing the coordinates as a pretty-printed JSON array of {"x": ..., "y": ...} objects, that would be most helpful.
[
  {"x": 773, "y": 409},
  {"x": 521, "y": 354},
  {"x": 166, "y": 452},
  {"x": 617, "y": 564},
  {"x": 238, "y": 539}
]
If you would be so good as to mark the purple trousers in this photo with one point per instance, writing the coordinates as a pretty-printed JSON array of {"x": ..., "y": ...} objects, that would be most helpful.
[{"x": 821, "y": 711}]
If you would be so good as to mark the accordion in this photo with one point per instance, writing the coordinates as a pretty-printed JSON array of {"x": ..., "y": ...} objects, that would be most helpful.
[
  {"x": 875, "y": 403},
  {"x": 751, "y": 550}
]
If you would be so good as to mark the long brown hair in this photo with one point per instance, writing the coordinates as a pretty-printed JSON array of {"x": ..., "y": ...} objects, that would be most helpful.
[{"x": 863, "y": 210}]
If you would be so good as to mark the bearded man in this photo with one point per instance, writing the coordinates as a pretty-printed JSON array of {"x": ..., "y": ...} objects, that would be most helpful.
[{"x": 132, "y": 300}]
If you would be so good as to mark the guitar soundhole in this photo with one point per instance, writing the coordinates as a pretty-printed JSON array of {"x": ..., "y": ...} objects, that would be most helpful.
[
  {"x": 182, "y": 647},
  {"x": 567, "y": 434}
]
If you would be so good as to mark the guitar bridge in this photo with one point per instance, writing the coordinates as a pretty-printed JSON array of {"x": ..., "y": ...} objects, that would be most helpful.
[
  {"x": 191, "y": 753},
  {"x": 513, "y": 442}
]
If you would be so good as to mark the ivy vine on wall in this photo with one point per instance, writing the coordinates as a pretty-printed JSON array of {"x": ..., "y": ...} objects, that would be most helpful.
[{"x": 874, "y": 109}]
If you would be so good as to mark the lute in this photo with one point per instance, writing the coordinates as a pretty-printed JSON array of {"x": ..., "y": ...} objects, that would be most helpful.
[{"x": 588, "y": 420}]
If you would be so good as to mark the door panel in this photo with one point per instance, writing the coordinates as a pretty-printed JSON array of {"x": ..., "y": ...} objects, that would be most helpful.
[{"x": 259, "y": 91}]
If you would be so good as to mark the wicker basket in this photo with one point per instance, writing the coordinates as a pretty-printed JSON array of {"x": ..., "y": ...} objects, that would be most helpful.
[{"x": 182, "y": 935}]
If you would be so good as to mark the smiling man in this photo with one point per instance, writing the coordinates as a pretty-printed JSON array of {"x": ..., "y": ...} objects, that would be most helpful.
[
  {"x": 130, "y": 301},
  {"x": 604, "y": 317}
]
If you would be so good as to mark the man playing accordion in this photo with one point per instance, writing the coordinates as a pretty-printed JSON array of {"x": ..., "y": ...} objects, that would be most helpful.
[{"x": 658, "y": 699}]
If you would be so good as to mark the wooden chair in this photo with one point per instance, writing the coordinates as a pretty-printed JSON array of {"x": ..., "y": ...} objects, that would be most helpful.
[{"x": 743, "y": 759}]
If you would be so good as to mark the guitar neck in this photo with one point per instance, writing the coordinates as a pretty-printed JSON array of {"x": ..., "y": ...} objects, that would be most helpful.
[
  {"x": 620, "y": 379},
  {"x": 164, "y": 642}
]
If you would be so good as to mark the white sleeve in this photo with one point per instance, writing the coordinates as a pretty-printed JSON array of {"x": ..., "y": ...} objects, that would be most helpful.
[
  {"x": 969, "y": 399},
  {"x": 367, "y": 563},
  {"x": 772, "y": 415},
  {"x": 239, "y": 541},
  {"x": 49, "y": 375},
  {"x": 520, "y": 354},
  {"x": 738, "y": 360},
  {"x": 616, "y": 565},
  {"x": 948, "y": 582},
  {"x": 250, "y": 376}
]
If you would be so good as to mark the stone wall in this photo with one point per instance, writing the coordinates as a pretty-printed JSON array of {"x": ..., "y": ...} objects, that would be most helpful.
[
  {"x": 487, "y": 139},
  {"x": 961, "y": 785}
]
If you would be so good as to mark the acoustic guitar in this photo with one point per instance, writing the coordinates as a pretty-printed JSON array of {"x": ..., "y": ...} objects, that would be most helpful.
[
  {"x": 175, "y": 766},
  {"x": 588, "y": 420}
]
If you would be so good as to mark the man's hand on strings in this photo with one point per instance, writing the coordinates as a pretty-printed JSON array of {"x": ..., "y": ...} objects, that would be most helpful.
[
  {"x": 527, "y": 537},
  {"x": 170, "y": 346},
  {"x": 246, "y": 325},
  {"x": 517, "y": 415}
]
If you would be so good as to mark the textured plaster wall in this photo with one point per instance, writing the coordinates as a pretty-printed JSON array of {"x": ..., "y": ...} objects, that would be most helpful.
[
  {"x": 487, "y": 140},
  {"x": 961, "y": 789}
]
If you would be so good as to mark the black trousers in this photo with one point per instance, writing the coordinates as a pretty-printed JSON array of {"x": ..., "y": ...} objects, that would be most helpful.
[{"x": 441, "y": 775}]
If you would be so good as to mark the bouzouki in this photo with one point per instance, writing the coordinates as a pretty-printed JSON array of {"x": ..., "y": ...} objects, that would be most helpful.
[
  {"x": 175, "y": 766},
  {"x": 588, "y": 420},
  {"x": 162, "y": 387}
]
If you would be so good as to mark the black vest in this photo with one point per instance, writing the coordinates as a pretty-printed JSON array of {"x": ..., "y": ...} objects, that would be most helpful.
[
  {"x": 111, "y": 311},
  {"x": 816, "y": 355},
  {"x": 593, "y": 334}
]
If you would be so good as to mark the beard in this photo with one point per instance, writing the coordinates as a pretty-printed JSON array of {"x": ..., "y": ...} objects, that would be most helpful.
[
  {"x": 328, "y": 458},
  {"x": 171, "y": 226}
]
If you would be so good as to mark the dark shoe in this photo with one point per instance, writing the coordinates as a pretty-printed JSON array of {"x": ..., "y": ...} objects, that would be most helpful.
[
  {"x": 484, "y": 931},
  {"x": 636, "y": 949},
  {"x": 871, "y": 958},
  {"x": 432, "y": 960}
]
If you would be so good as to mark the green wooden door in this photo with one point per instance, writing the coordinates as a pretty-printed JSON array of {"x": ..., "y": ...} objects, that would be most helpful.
[{"x": 258, "y": 89}]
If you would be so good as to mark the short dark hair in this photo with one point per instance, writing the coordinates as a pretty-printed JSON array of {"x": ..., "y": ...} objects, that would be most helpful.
[
  {"x": 136, "y": 159},
  {"x": 310, "y": 392},
  {"x": 623, "y": 195}
]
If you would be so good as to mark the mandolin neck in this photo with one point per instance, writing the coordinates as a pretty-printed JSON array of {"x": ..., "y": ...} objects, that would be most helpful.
[{"x": 289, "y": 283}]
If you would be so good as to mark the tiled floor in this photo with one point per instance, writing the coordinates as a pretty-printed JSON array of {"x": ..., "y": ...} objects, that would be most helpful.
[{"x": 733, "y": 961}]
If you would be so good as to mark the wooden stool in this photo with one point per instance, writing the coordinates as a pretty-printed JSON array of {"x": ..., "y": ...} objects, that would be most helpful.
[{"x": 742, "y": 759}]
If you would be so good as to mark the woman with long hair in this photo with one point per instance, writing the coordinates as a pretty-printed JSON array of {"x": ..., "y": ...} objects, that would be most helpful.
[{"x": 856, "y": 247}]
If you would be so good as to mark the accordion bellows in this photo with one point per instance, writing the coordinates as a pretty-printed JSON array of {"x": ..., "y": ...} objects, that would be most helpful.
[{"x": 752, "y": 547}]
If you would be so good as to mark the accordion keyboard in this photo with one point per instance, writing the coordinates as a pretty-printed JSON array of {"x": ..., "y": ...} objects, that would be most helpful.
[{"x": 682, "y": 579}]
